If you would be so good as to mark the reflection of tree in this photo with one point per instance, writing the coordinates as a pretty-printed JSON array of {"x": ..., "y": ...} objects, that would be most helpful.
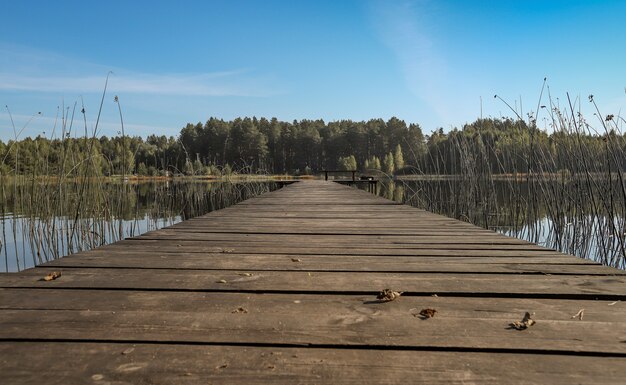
[
  {"x": 559, "y": 213},
  {"x": 78, "y": 215}
]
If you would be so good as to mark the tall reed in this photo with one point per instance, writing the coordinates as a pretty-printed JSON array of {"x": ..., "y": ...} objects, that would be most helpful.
[
  {"x": 50, "y": 211},
  {"x": 573, "y": 177}
]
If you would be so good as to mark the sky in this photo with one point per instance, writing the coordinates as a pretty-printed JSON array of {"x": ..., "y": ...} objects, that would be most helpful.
[{"x": 437, "y": 63}]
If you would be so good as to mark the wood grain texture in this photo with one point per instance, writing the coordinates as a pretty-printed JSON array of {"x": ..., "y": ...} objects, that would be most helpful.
[
  {"x": 315, "y": 320},
  {"x": 313, "y": 263},
  {"x": 282, "y": 289},
  {"x": 137, "y": 363},
  {"x": 583, "y": 286}
]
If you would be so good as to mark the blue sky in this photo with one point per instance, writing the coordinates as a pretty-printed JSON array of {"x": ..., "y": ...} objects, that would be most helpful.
[{"x": 427, "y": 62}]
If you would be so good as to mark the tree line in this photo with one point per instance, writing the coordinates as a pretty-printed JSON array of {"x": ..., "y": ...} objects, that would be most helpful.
[{"x": 251, "y": 145}]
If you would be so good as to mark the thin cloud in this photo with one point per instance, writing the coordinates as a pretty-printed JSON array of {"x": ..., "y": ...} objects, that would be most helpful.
[
  {"x": 51, "y": 127},
  {"x": 403, "y": 28},
  {"x": 27, "y": 70},
  {"x": 209, "y": 84}
]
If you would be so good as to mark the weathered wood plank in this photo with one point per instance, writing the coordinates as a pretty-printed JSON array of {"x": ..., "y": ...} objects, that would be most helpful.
[
  {"x": 608, "y": 287},
  {"x": 244, "y": 228},
  {"x": 310, "y": 320},
  {"x": 445, "y": 239},
  {"x": 126, "y": 363},
  {"x": 314, "y": 239},
  {"x": 327, "y": 305},
  {"x": 335, "y": 224},
  {"x": 269, "y": 262},
  {"x": 462, "y": 249}
]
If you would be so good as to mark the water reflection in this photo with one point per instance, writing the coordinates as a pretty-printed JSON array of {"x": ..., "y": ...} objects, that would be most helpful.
[
  {"x": 557, "y": 215},
  {"x": 44, "y": 221},
  {"x": 30, "y": 242}
]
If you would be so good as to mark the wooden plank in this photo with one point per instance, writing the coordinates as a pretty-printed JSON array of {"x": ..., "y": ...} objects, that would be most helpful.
[
  {"x": 269, "y": 262},
  {"x": 126, "y": 363},
  {"x": 335, "y": 223},
  {"x": 234, "y": 213},
  {"x": 216, "y": 228},
  {"x": 415, "y": 238},
  {"x": 318, "y": 239},
  {"x": 424, "y": 231},
  {"x": 561, "y": 286},
  {"x": 326, "y": 305},
  {"x": 462, "y": 249},
  {"x": 425, "y": 228},
  {"x": 310, "y": 320},
  {"x": 338, "y": 208}
]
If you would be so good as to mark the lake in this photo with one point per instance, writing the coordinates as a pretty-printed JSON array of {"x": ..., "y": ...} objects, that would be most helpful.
[
  {"x": 587, "y": 221},
  {"x": 46, "y": 221}
]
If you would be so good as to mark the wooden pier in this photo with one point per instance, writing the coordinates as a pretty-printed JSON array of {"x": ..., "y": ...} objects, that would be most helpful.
[{"x": 283, "y": 289}]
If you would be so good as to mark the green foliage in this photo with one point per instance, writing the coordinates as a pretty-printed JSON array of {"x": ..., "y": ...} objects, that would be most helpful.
[
  {"x": 246, "y": 144},
  {"x": 347, "y": 163},
  {"x": 213, "y": 170},
  {"x": 198, "y": 168},
  {"x": 398, "y": 159},
  {"x": 372, "y": 164},
  {"x": 142, "y": 169},
  {"x": 388, "y": 165},
  {"x": 227, "y": 170},
  {"x": 261, "y": 145},
  {"x": 188, "y": 169}
]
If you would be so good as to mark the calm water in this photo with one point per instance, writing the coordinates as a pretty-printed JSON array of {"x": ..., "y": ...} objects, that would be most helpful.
[
  {"x": 39, "y": 227},
  {"x": 21, "y": 251},
  {"x": 563, "y": 217}
]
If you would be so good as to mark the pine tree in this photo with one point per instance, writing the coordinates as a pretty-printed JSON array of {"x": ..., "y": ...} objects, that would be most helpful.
[
  {"x": 375, "y": 163},
  {"x": 347, "y": 163},
  {"x": 388, "y": 164},
  {"x": 398, "y": 159}
]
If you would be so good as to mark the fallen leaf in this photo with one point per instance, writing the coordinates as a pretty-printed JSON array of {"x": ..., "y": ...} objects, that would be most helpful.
[
  {"x": 52, "y": 276},
  {"x": 223, "y": 366},
  {"x": 221, "y": 281},
  {"x": 246, "y": 274},
  {"x": 580, "y": 314},
  {"x": 296, "y": 260},
  {"x": 240, "y": 310},
  {"x": 525, "y": 323},
  {"x": 613, "y": 303},
  {"x": 388, "y": 295},
  {"x": 427, "y": 313},
  {"x": 271, "y": 367}
]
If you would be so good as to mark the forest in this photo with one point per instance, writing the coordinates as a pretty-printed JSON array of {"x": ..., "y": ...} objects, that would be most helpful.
[{"x": 251, "y": 145}]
